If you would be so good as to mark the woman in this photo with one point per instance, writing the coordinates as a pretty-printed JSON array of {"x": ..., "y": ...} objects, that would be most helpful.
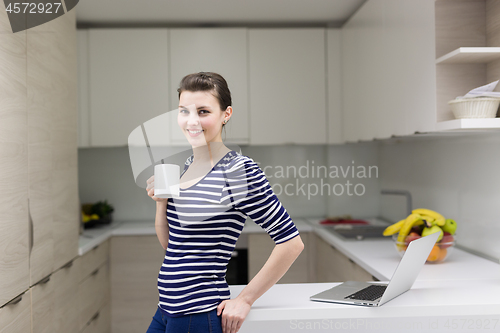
[{"x": 219, "y": 188}]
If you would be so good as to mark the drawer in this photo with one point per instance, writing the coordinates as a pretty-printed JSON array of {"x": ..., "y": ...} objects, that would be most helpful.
[
  {"x": 42, "y": 305},
  {"x": 93, "y": 259},
  {"x": 66, "y": 314},
  {"x": 13, "y": 316},
  {"x": 93, "y": 293},
  {"x": 100, "y": 321}
]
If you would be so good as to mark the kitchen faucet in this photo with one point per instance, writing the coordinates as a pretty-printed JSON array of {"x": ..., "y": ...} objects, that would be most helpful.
[{"x": 407, "y": 194}]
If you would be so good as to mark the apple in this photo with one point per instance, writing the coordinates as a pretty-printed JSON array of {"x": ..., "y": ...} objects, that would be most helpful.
[
  {"x": 411, "y": 237},
  {"x": 450, "y": 226},
  {"x": 447, "y": 240},
  {"x": 431, "y": 230}
]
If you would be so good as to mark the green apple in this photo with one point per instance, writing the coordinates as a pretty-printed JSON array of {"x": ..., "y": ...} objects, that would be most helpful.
[
  {"x": 450, "y": 226},
  {"x": 431, "y": 230}
]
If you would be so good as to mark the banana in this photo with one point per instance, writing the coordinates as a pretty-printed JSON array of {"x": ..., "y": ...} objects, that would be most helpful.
[
  {"x": 393, "y": 228},
  {"x": 439, "y": 219},
  {"x": 407, "y": 225}
]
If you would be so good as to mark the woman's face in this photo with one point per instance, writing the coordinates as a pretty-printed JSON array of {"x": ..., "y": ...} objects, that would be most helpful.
[{"x": 200, "y": 111}]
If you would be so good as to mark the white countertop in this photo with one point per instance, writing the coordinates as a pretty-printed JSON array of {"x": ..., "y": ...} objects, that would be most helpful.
[
  {"x": 430, "y": 305},
  {"x": 448, "y": 296},
  {"x": 379, "y": 258}
]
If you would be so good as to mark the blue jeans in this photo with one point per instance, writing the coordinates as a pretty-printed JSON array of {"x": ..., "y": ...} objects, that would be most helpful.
[{"x": 205, "y": 322}]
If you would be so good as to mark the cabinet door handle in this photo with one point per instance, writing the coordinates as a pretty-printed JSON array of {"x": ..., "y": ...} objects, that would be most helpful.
[
  {"x": 95, "y": 317},
  {"x": 43, "y": 281},
  {"x": 68, "y": 265},
  {"x": 95, "y": 272},
  {"x": 14, "y": 301}
]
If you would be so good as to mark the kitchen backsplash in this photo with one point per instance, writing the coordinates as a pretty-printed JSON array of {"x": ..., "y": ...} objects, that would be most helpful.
[
  {"x": 457, "y": 175},
  {"x": 309, "y": 180}
]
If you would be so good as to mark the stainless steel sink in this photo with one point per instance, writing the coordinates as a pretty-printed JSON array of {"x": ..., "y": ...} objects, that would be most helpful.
[{"x": 356, "y": 232}]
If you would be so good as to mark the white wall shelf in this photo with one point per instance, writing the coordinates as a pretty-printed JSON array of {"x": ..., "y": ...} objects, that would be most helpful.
[
  {"x": 470, "y": 55},
  {"x": 467, "y": 124}
]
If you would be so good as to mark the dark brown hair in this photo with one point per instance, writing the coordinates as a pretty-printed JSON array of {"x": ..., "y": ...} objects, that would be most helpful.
[{"x": 207, "y": 81}]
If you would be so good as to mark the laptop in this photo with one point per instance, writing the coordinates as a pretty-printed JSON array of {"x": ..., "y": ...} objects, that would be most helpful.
[{"x": 376, "y": 294}]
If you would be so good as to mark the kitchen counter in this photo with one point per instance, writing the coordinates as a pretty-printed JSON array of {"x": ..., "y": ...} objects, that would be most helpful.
[
  {"x": 378, "y": 257},
  {"x": 431, "y": 305},
  {"x": 458, "y": 295}
]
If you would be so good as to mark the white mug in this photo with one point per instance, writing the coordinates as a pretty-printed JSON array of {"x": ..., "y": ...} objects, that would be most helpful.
[{"x": 167, "y": 178}]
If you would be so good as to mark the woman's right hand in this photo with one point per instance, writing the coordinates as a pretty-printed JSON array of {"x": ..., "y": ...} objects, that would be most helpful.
[{"x": 150, "y": 188}]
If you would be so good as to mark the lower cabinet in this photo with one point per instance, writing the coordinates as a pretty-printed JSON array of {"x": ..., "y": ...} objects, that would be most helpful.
[
  {"x": 333, "y": 266},
  {"x": 94, "y": 290},
  {"x": 135, "y": 263},
  {"x": 260, "y": 246},
  {"x": 13, "y": 315}
]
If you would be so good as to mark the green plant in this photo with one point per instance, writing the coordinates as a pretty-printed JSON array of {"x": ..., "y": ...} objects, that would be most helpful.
[{"x": 102, "y": 208}]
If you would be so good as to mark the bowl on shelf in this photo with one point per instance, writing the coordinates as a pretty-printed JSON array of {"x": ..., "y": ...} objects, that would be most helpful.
[
  {"x": 439, "y": 252},
  {"x": 479, "y": 107}
]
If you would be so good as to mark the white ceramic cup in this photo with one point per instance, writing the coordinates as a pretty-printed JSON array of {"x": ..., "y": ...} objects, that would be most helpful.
[{"x": 167, "y": 178}]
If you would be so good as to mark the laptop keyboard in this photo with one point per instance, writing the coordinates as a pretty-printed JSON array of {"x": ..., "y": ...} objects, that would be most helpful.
[{"x": 370, "y": 293}]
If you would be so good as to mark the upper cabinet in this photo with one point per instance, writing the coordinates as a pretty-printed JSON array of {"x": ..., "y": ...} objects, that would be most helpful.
[
  {"x": 128, "y": 82},
  {"x": 334, "y": 84},
  {"x": 388, "y": 79},
  {"x": 287, "y": 86},
  {"x": 277, "y": 77},
  {"x": 220, "y": 50}
]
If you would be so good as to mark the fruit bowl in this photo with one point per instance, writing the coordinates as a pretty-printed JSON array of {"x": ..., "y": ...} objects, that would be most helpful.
[{"x": 439, "y": 252}]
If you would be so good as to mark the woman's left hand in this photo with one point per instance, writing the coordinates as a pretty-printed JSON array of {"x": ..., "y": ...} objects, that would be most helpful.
[{"x": 234, "y": 312}]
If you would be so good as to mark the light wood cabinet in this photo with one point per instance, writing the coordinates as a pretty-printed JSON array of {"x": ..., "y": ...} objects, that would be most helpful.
[
  {"x": 466, "y": 34},
  {"x": 260, "y": 246},
  {"x": 220, "y": 50},
  {"x": 333, "y": 266},
  {"x": 287, "y": 86},
  {"x": 94, "y": 289},
  {"x": 52, "y": 144},
  {"x": 101, "y": 321},
  {"x": 128, "y": 82},
  {"x": 135, "y": 264},
  {"x": 40, "y": 216},
  {"x": 14, "y": 179},
  {"x": 55, "y": 301},
  {"x": 13, "y": 316}
]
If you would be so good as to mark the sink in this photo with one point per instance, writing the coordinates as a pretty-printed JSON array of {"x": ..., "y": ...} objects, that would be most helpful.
[{"x": 356, "y": 232}]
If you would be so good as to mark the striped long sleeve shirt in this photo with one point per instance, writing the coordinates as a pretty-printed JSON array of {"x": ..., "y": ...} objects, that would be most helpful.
[{"x": 205, "y": 222}]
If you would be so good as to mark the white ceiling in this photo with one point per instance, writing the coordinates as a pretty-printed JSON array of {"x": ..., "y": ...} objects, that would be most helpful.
[{"x": 332, "y": 13}]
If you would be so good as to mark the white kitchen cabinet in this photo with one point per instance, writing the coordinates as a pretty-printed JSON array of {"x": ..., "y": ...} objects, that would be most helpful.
[
  {"x": 260, "y": 246},
  {"x": 220, "y": 50},
  {"x": 135, "y": 264},
  {"x": 83, "y": 88},
  {"x": 334, "y": 96},
  {"x": 388, "y": 56},
  {"x": 128, "y": 81},
  {"x": 287, "y": 78}
]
